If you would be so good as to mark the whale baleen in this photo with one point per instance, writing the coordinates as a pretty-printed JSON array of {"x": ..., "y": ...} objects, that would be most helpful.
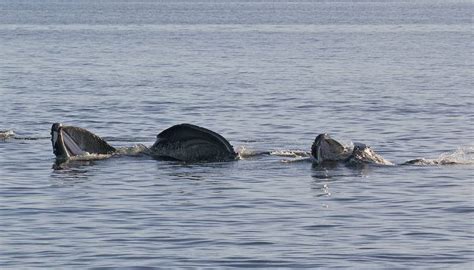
[
  {"x": 325, "y": 148},
  {"x": 69, "y": 141}
]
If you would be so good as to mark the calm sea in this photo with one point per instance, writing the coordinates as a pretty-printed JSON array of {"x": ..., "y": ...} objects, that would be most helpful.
[{"x": 268, "y": 76}]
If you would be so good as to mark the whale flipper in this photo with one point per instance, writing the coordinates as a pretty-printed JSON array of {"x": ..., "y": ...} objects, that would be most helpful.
[
  {"x": 190, "y": 143},
  {"x": 69, "y": 141}
]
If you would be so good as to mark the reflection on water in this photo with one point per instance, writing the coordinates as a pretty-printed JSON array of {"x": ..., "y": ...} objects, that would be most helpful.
[
  {"x": 71, "y": 165},
  {"x": 70, "y": 172},
  {"x": 68, "y": 178}
]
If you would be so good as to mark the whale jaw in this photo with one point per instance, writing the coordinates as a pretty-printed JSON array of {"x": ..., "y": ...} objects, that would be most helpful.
[
  {"x": 69, "y": 141},
  {"x": 363, "y": 154},
  {"x": 59, "y": 145},
  {"x": 325, "y": 148}
]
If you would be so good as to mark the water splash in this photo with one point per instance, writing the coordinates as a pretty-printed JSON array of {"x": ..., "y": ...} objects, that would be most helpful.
[
  {"x": 462, "y": 156},
  {"x": 135, "y": 150},
  {"x": 87, "y": 157},
  {"x": 243, "y": 152},
  {"x": 5, "y": 134},
  {"x": 10, "y": 134},
  {"x": 297, "y": 159},
  {"x": 290, "y": 153}
]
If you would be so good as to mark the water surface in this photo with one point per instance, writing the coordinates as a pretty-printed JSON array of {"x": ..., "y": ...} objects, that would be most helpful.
[{"x": 268, "y": 76}]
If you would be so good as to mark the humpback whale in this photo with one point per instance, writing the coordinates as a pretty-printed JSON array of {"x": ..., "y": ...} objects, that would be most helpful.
[
  {"x": 190, "y": 143},
  {"x": 326, "y": 149},
  {"x": 69, "y": 141},
  {"x": 184, "y": 142},
  {"x": 363, "y": 154}
]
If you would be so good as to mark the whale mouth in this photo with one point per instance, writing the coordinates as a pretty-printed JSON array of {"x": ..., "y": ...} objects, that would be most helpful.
[
  {"x": 317, "y": 146},
  {"x": 64, "y": 145},
  {"x": 363, "y": 154},
  {"x": 69, "y": 141},
  {"x": 59, "y": 148},
  {"x": 326, "y": 148}
]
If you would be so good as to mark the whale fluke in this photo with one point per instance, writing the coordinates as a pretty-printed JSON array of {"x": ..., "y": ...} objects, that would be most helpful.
[
  {"x": 190, "y": 143},
  {"x": 69, "y": 141}
]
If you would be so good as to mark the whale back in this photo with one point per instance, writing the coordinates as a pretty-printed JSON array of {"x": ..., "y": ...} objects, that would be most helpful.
[
  {"x": 72, "y": 141},
  {"x": 190, "y": 143}
]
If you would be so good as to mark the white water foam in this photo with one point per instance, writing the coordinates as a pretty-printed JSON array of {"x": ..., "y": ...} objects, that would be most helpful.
[
  {"x": 243, "y": 152},
  {"x": 462, "y": 155},
  {"x": 88, "y": 156},
  {"x": 5, "y": 134},
  {"x": 290, "y": 153},
  {"x": 135, "y": 150}
]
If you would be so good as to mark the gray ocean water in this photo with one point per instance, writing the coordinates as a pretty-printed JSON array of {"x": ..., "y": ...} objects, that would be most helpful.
[{"x": 268, "y": 76}]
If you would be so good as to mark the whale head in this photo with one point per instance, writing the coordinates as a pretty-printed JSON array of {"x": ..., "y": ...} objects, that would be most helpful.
[
  {"x": 363, "y": 154},
  {"x": 59, "y": 144},
  {"x": 69, "y": 141},
  {"x": 325, "y": 148}
]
